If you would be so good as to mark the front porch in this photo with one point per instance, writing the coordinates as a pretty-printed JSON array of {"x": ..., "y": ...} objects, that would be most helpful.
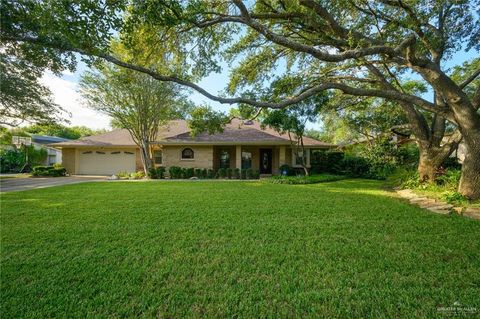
[{"x": 266, "y": 159}]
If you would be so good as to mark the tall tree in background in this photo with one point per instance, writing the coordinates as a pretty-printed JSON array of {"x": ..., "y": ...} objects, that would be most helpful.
[
  {"x": 22, "y": 97},
  {"x": 135, "y": 102},
  {"x": 359, "y": 48}
]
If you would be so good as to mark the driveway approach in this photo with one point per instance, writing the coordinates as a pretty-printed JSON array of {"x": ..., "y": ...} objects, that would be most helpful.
[{"x": 21, "y": 184}]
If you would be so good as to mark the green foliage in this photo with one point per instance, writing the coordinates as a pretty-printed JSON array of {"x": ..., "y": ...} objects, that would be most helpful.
[
  {"x": 229, "y": 173},
  {"x": 221, "y": 173},
  {"x": 236, "y": 173},
  {"x": 48, "y": 171},
  {"x": 203, "y": 119},
  {"x": 311, "y": 179},
  {"x": 69, "y": 132},
  {"x": 210, "y": 173},
  {"x": 189, "y": 172},
  {"x": 22, "y": 96},
  {"x": 175, "y": 172},
  {"x": 12, "y": 161},
  {"x": 157, "y": 172},
  {"x": 286, "y": 170}
]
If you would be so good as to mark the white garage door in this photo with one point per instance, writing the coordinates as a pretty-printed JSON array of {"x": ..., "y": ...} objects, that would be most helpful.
[{"x": 106, "y": 162}]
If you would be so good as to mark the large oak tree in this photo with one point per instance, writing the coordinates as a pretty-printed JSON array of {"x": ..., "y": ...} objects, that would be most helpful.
[{"x": 360, "y": 48}]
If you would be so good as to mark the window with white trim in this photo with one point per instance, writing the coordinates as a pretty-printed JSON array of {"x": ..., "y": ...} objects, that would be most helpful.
[{"x": 187, "y": 153}]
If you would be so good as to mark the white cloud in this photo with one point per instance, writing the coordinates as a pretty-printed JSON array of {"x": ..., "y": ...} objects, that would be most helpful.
[{"x": 66, "y": 95}]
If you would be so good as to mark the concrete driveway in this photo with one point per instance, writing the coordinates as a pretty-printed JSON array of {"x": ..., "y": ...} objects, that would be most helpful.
[{"x": 21, "y": 184}]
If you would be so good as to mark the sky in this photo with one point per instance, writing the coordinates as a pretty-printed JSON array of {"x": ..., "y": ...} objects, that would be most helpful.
[{"x": 65, "y": 90}]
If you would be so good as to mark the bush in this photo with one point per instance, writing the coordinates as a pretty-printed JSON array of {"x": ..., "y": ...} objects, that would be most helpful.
[
  {"x": 221, "y": 173},
  {"x": 137, "y": 175},
  {"x": 450, "y": 179},
  {"x": 175, "y": 172},
  {"x": 198, "y": 173},
  {"x": 204, "y": 173},
  {"x": 353, "y": 166},
  {"x": 326, "y": 161},
  {"x": 236, "y": 173},
  {"x": 243, "y": 174},
  {"x": 156, "y": 172},
  {"x": 49, "y": 171},
  {"x": 312, "y": 179},
  {"x": 13, "y": 161},
  {"x": 229, "y": 173},
  {"x": 210, "y": 173},
  {"x": 286, "y": 170},
  {"x": 189, "y": 173}
]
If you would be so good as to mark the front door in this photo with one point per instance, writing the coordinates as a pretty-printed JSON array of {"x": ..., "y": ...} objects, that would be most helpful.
[{"x": 265, "y": 161}]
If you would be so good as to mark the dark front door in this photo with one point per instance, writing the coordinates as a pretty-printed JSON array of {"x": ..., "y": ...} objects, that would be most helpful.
[{"x": 265, "y": 161}]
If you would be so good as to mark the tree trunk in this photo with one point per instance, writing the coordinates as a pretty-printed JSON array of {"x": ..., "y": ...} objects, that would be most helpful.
[
  {"x": 470, "y": 180},
  {"x": 431, "y": 158},
  {"x": 145, "y": 157}
]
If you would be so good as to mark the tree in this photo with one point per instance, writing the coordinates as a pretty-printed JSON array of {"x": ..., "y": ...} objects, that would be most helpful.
[
  {"x": 22, "y": 97},
  {"x": 135, "y": 102},
  {"x": 359, "y": 48},
  {"x": 55, "y": 129}
]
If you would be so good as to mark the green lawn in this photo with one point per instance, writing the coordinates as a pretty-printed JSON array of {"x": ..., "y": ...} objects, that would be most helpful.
[{"x": 232, "y": 249}]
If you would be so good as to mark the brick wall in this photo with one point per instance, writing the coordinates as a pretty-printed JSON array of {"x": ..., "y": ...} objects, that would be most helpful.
[{"x": 203, "y": 157}]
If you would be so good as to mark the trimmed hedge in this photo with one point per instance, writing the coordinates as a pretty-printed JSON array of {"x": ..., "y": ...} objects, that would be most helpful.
[
  {"x": 49, "y": 171},
  {"x": 177, "y": 172}
]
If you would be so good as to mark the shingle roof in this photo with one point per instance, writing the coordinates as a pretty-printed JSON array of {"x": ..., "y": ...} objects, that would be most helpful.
[{"x": 177, "y": 132}]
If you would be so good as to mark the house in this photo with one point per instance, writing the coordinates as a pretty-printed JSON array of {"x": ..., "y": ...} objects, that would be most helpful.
[
  {"x": 242, "y": 144},
  {"x": 54, "y": 155}
]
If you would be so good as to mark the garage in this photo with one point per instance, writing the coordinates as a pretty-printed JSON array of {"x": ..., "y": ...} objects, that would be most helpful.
[{"x": 106, "y": 162}]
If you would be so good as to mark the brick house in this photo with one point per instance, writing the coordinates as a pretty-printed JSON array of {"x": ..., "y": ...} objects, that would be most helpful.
[{"x": 242, "y": 144}]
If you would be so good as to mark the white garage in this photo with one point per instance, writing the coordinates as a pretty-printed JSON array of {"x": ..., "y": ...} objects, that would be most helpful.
[{"x": 105, "y": 162}]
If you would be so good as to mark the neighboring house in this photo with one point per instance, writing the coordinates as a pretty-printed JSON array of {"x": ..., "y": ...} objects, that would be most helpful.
[
  {"x": 54, "y": 155},
  {"x": 242, "y": 144}
]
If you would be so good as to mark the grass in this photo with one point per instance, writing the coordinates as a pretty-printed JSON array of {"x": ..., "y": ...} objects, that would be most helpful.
[
  {"x": 343, "y": 249},
  {"x": 312, "y": 179}
]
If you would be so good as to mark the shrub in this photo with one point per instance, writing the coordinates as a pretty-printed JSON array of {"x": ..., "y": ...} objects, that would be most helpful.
[
  {"x": 250, "y": 173},
  {"x": 236, "y": 173},
  {"x": 123, "y": 175},
  {"x": 243, "y": 174},
  {"x": 156, "y": 173},
  {"x": 221, "y": 173},
  {"x": 453, "y": 197},
  {"x": 49, "y": 171},
  {"x": 137, "y": 175},
  {"x": 210, "y": 173},
  {"x": 451, "y": 163},
  {"x": 286, "y": 170},
  {"x": 204, "y": 173},
  {"x": 189, "y": 172},
  {"x": 353, "y": 166},
  {"x": 198, "y": 173},
  {"x": 57, "y": 165},
  {"x": 450, "y": 179},
  {"x": 229, "y": 173},
  {"x": 175, "y": 172},
  {"x": 14, "y": 160}
]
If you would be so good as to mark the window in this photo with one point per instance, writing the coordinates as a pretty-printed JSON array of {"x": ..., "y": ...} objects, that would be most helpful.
[
  {"x": 224, "y": 159},
  {"x": 52, "y": 159},
  {"x": 98, "y": 152},
  {"x": 246, "y": 160},
  {"x": 87, "y": 152},
  {"x": 157, "y": 157},
  {"x": 187, "y": 153},
  {"x": 118, "y": 152},
  {"x": 301, "y": 158},
  {"x": 131, "y": 153}
]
